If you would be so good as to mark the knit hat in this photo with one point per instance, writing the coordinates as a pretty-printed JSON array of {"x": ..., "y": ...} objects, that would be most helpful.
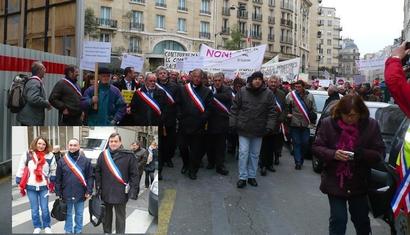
[{"x": 257, "y": 74}]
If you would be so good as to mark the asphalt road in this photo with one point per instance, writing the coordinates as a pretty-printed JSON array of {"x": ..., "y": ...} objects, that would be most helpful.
[{"x": 285, "y": 202}]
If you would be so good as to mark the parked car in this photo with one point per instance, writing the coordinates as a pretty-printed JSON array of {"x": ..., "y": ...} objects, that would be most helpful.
[{"x": 153, "y": 198}]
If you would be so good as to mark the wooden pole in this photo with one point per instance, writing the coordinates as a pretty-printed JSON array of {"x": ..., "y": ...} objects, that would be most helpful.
[{"x": 95, "y": 106}]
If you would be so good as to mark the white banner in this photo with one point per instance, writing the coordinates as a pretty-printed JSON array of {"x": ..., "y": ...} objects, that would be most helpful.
[
  {"x": 359, "y": 79},
  {"x": 98, "y": 52},
  {"x": 192, "y": 62},
  {"x": 325, "y": 83},
  {"x": 86, "y": 65},
  {"x": 171, "y": 58},
  {"x": 371, "y": 64},
  {"x": 287, "y": 70},
  {"x": 132, "y": 61}
]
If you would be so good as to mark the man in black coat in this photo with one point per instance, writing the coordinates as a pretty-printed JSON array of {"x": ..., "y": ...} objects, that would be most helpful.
[
  {"x": 218, "y": 124},
  {"x": 128, "y": 83},
  {"x": 193, "y": 116},
  {"x": 148, "y": 105},
  {"x": 115, "y": 191},
  {"x": 74, "y": 183},
  {"x": 167, "y": 134},
  {"x": 66, "y": 96}
]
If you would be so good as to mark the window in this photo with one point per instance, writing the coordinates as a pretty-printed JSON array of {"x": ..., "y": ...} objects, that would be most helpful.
[
  {"x": 182, "y": 5},
  {"x": 329, "y": 60},
  {"x": 138, "y": 1},
  {"x": 226, "y": 4},
  {"x": 135, "y": 45},
  {"x": 160, "y": 22},
  {"x": 204, "y": 27},
  {"x": 271, "y": 2},
  {"x": 181, "y": 25},
  {"x": 329, "y": 23},
  {"x": 271, "y": 47},
  {"x": 225, "y": 23},
  {"x": 242, "y": 27},
  {"x": 329, "y": 42},
  {"x": 104, "y": 37},
  {"x": 105, "y": 12},
  {"x": 160, "y": 3},
  {"x": 329, "y": 33},
  {"x": 257, "y": 10},
  {"x": 137, "y": 17},
  {"x": 271, "y": 30},
  {"x": 256, "y": 29},
  {"x": 329, "y": 51},
  {"x": 205, "y": 7}
]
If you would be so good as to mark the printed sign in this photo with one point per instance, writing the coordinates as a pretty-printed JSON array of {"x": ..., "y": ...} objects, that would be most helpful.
[
  {"x": 132, "y": 61},
  {"x": 97, "y": 52},
  {"x": 127, "y": 95}
]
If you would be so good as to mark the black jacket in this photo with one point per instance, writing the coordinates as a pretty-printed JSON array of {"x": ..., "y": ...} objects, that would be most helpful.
[
  {"x": 143, "y": 114},
  {"x": 280, "y": 96},
  {"x": 121, "y": 85},
  {"x": 171, "y": 111},
  {"x": 218, "y": 121},
  {"x": 112, "y": 191},
  {"x": 68, "y": 185},
  {"x": 191, "y": 119}
]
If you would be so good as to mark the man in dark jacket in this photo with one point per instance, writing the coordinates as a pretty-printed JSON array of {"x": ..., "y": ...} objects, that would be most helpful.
[
  {"x": 253, "y": 115},
  {"x": 66, "y": 96},
  {"x": 74, "y": 183},
  {"x": 33, "y": 112},
  {"x": 272, "y": 143},
  {"x": 141, "y": 154},
  {"x": 57, "y": 153},
  {"x": 333, "y": 95},
  {"x": 116, "y": 189},
  {"x": 148, "y": 105},
  {"x": 218, "y": 123},
  {"x": 193, "y": 116},
  {"x": 128, "y": 83}
]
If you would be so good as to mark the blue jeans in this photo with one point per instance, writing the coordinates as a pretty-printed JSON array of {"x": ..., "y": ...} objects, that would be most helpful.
[
  {"x": 359, "y": 212},
  {"x": 38, "y": 199},
  {"x": 78, "y": 208},
  {"x": 300, "y": 140},
  {"x": 249, "y": 148}
]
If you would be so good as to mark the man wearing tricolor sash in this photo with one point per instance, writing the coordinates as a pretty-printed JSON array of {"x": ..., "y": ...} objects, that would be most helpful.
[
  {"x": 74, "y": 184},
  {"x": 148, "y": 104},
  {"x": 66, "y": 96},
  {"x": 193, "y": 115},
  {"x": 218, "y": 124},
  {"x": 298, "y": 104},
  {"x": 117, "y": 179}
]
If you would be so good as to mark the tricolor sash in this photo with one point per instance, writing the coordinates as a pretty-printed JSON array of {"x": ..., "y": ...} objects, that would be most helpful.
[
  {"x": 170, "y": 98},
  {"x": 220, "y": 105},
  {"x": 149, "y": 101},
  {"x": 112, "y": 167},
  {"x": 233, "y": 95},
  {"x": 195, "y": 97},
  {"x": 75, "y": 169},
  {"x": 282, "y": 126},
  {"x": 76, "y": 89},
  {"x": 301, "y": 105}
]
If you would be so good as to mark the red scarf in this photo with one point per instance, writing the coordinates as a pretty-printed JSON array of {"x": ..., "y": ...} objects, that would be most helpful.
[
  {"x": 348, "y": 141},
  {"x": 39, "y": 169}
]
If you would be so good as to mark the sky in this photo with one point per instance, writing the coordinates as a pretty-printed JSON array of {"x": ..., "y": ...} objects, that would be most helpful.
[{"x": 372, "y": 24}]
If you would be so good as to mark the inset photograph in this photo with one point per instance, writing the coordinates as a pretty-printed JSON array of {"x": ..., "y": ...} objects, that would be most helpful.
[{"x": 99, "y": 180}]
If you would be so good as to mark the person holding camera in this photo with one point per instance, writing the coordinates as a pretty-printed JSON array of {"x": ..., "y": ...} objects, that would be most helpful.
[
  {"x": 349, "y": 142},
  {"x": 74, "y": 184}
]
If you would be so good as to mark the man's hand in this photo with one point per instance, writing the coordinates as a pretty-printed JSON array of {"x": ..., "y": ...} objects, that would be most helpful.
[
  {"x": 65, "y": 112},
  {"x": 49, "y": 107},
  {"x": 128, "y": 110},
  {"x": 341, "y": 156},
  {"x": 400, "y": 51},
  {"x": 86, "y": 196}
]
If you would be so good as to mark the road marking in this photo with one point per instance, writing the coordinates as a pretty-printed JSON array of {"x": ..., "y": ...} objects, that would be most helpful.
[
  {"x": 138, "y": 222},
  {"x": 25, "y": 216},
  {"x": 165, "y": 211}
]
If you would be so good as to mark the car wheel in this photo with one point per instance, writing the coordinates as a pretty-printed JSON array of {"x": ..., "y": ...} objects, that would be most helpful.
[{"x": 316, "y": 164}]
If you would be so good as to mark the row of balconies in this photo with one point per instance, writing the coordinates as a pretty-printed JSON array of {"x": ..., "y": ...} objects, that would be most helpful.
[{"x": 284, "y": 22}]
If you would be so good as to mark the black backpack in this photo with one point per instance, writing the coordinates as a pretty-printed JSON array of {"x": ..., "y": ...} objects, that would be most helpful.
[
  {"x": 15, "y": 98},
  {"x": 59, "y": 211},
  {"x": 96, "y": 208}
]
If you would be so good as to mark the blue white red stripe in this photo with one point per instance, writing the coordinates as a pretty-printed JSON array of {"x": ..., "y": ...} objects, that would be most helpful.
[
  {"x": 282, "y": 126},
  {"x": 220, "y": 105},
  {"x": 299, "y": 104},
  {"x": 195, "y": 97},
  {"x": 149, "y": 101},
  {"x": 112, "y": 167},
  {"x": 75, "y": 169},
  {"x": 170, "y": 98},
  {"x": 76, "y": 89}
]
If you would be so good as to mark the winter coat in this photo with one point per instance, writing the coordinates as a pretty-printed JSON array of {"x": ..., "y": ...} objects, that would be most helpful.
[
  {"x": 368, "y": 152},
  {"x": 298, "y": 120},
  {"x": 330, "y": 100},
  {"x": 63, "y": 96},
  {"x": 191, "y": 119},
  {"x": 171, "y": 112},
  {"x": 122, "y": 85},
  {"x": 49, "y": 171},
  {"x": 143, "y": 114},
  {"x": 218, "y": 121},
  {"x": 112, "y": 191},
  {"x": 253, "y": 112},
  {"x": 280, "y": 96},
  {"x": 141, "y": 155},
  {"x": 68, "y": 185},
  {"x": 152, "y": 165},
  {"x": 33, "y": 112},
  {"x": 397, "y": 83}
]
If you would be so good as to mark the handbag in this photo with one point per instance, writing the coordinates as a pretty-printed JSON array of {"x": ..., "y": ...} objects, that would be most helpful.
[
  {"x": 59, "y": 211},
  {"x": 96, "y": 208}
]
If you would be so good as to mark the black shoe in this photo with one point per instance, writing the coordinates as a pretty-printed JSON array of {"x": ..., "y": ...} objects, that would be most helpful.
[
  {"x": 241, "y": 184},
  {"x": 184, "y": 170},
  {"x": 252, "y": 181},
  {"x": 210, "y": 166},
  {"x": 263, "y": 171},
  {"x": 192, "y": 175},
  {"x": 271, "y": 169},
  {"x": 222, "y": 171},
  {"x": 170, "y": 164},
  {"x": 276, "y": 160},
  {"x": 298, "y": 167}
]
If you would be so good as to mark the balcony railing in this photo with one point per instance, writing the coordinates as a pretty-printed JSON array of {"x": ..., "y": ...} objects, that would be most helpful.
[
  {"x": 338, "y": 28},
  {"x": 337, "y": 38},
  {"x": 337, "y": 47},
  {"x": 225, "y": 31},
  {"x": 257, "y": 17},
  {"x": 286, "y": 40},
  {"x": 243, "y": 14},
  {"x": 134, "y": 50},
  {"x": 160, "y": 4},
  {"x": 204, "y": 35},
  {"x": 257, "y": 1},
  {"x": 182, "y": 8},
  {"x": 256, "y": 35},
  {"x": 138, "y": 1},
  {"x": 226, "y": 11},
  {"x": 271, "y": 37},
  {"x": 320, "y": 23},
  {"x": 136, "y": 26},
  {"x": 206, "y": 12},
  {"x": 103, "y": 22},
  {"x": 286, "y": 6},
  {"x": 284, "y": 22},
  {"x": 271, "y": 20}
]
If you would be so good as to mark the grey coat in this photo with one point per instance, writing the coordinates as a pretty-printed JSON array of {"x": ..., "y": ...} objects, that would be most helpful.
[
  {"x": 33, "y": 113},
  {"x": 142, "y": 156},
  {"x": 298, "y": 119},
  {"x": 253, "y": 112}
]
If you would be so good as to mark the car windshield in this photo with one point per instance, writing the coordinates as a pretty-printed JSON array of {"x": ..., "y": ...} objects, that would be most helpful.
[
  {"x": 89, "y": 143},
  {"x": 320, "y": 100}
]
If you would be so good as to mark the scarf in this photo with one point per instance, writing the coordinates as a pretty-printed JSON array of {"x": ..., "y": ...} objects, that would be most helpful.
[
  {"x": 347, "y": 141},
  {"x": 39, "y": 169}
]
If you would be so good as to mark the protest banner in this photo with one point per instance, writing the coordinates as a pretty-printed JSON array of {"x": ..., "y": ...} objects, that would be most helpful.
[
  {"x": 359, "y": 79},
  {"x": 287, "y": 70},
  {"x": 132, "y": 61},
  {"x": 97, "y": 52},
  {"x": 171, "y": 58},
  {"x": 127, "y": 95},
  {"x": 372, "y": 64},
  {"x": 87, "y": 65}
]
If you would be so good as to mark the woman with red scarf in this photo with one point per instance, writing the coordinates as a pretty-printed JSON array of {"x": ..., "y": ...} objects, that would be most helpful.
[
  {"x": 36, "y": 176},
  {"x": 349, "y": 143}
]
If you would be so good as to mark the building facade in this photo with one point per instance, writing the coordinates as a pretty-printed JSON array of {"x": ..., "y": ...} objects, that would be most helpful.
[
  {"x": 406, "y": 21},
  {"x": 47, "y": 26},
  {"x": 347, "y": 58}
]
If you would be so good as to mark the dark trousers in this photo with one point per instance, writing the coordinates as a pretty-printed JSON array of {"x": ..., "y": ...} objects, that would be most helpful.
[
  {"x": 167, "y": 145},
  {"x": 193, "y": 152},
  {"x": 266, "y": 153},
  {"x": 119, "y": 218},
  {"x": 233, "y": 142},
  {"x": 216, "y": 145},
  {"x": 359, "y": 213},
  {"x": 69, "y": 120},
  {"x": 149, "y": 175}
]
